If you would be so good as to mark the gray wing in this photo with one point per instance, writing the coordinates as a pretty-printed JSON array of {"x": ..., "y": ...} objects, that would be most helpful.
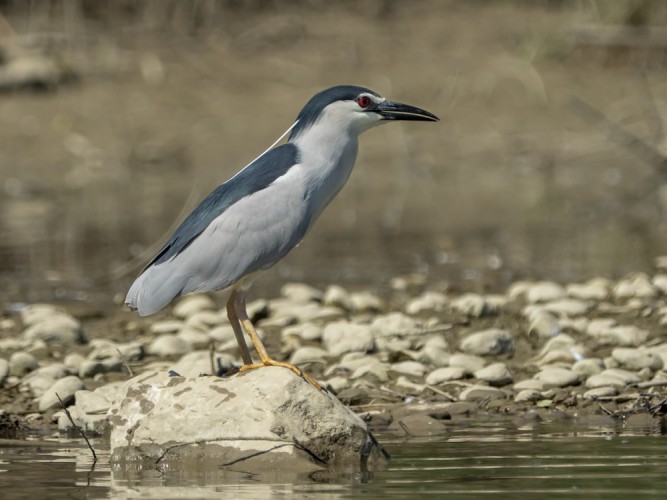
[{"x": 247, "y": 224}]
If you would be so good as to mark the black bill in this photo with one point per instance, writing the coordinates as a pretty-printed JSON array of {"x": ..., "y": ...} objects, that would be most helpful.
[{"x": 389, "y": 110}]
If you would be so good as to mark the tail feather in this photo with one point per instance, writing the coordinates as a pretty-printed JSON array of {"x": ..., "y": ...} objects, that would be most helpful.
[{"x": 152, "y": 291}]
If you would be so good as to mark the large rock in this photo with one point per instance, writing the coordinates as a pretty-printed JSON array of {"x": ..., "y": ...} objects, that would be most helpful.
[{"x": 266, "y": 417}]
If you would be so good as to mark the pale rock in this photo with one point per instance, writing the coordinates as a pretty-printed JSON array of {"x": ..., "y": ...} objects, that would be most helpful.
[
  {"x": 38, "y": 348},
  {"x": 195, "y": 338},
  {"x": 205, "y": 320},
  {"x": 596, "y": 289},
  {"x": 473, "y": 305},
  {"x": 21, "y": 363},
  {"x": 427, "y": 302},
  {"x": 353, "y": 360},
  {"x": 545, "y": 291},
  {"x": 408, "y": 387},
  {"x": 40, "y": 380},
  {"x": 309, "y": 354},
  {"x": 567, "y": 307},
  {"x": 636, "y": 286},
  {"x": 166, "y": 326},
  {"x": 73, "y": 362},
  {"x": 65, "y": 388},
  {"x": 300, "y": 292},
  {"x": 246, "y": 417},
  {"x": 637, "y": 359},
  {"x": 4, "y": 371},
  {"x": 36, "y": 313},
  {"x": 168, "y": 345},
  {"x": 337, "y": 296},
  {"x": 408, "y": 368},
  {"x": 557, "y": 377},
  {"x": 60, "y": 328},
  {"x": 587, "y": 367},
  {"x": 394, "y": 324},
  {"x": 191, "y": 304},
  {"x": 612, "y": 377},
  {"x": 285, "y": 312},
  {"x": 488, "y": 343},
  {"x": 660, "y": 282},
  {"x": 599, "y": 325},
  {"x": 200, "y": 363},
  {"x": 336, "y": 384},
  {"x": 481, "y": 393},
  {"x": 434, "y": 355},
  {"x": 306, "y": 331},
  {"x": 92, "y": 367},
  {"x": 366, "y": 302},
  {"x": 529, "y": 384},
  {"x": 342, "y": 337},
  {"x": 496, "y": 374},
  {"x": 106, "y": 349},
  {"x": 377, "y": 370},
  {"x": 544, "y": 325},
  {"x": 600, "y": 392},
  {"x": 442, "y": 375},
  {"x": 468, "y": 362},
  {"x": 527, "y": 396},
  {"x": 622, "y": 335},
  {"x": 437, "y": 340}
]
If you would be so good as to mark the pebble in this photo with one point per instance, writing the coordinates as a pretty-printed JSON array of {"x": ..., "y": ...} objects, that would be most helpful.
[
  {"x": 73, "y": 362},
  {"x": 337, "y": 384},
  {"x": 621, "y": 335},
  {"x": 366, "y": 302},
  {"x": 285, "y": 312},
  {"x": 21, "y": 363},
  {"x": 636, "y": 359},
  {"x": 65, "y": 388},
  {"x": 166, "y": 326},
  {"x": 337, "y": 296},
  {"x": 595, "y": 289},
  {"x": 441, "y": 375},
  {"x": 636, "y": 286},
  {"x": 529, "y": 383},
  {"x": 544, "y": 325},
  {"x": 496, "y": 374},
  {"x": 197, "y": 363},
  {"x": 306, "y": 331},
  {"x": 205, "y": 320},
  {"x": 474, "y": 305},
  {"x": 481, "y": 393},
  {"x": 91, "y": 367},
  {"x": 612, "y": 377},
  {"x": 468, "y": 362},
  {"x": 600, "y": 392},
  {"x": 434, "y": 355},
  {"x": 300, "y": 292},
  {"x": 567, "y": 307},
  {"x": 660, "y": 282},
  {"x": 195, "y": 338},
  {"x": 377, "y": 370},
  {"x": 527, "y": 395},
  {"x": 168, "y": 345},
  {"x": 106, "y": 349},
  {"x": 38, "y": 348},
  {"x": 309, "y": 354},
  {"x": 42, "y": 378},
  {"x": 428, "y": 302},
  {"x": 394, "y": 324},
  {"x": 545, "y": 291},
  {"x": 557, "y": 377},
  {"x": 407, "y": 386},
  {"x": 59, "y": 328},
  {"x": 587, "y": 367},
  {"x": 342, "y": 337},
  {"x": 408, "y": 368},
  {"x": 4, "y": 371},
  {"x": 488, "y": 343},
  {"x": 35, "y": 313},
  {"x": 191, "y": 304}
]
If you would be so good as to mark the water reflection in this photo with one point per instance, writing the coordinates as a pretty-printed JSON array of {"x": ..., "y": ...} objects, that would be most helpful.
[{"x": 505, "y": 458}]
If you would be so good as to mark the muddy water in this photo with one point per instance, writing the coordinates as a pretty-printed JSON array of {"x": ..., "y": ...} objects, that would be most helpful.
[{"x": 502, "y": 458}]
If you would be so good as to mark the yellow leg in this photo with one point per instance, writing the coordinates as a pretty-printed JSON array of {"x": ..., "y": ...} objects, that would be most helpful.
[
  {"x": 238, "y": 332},
  {"x": 238, "y": 299}
]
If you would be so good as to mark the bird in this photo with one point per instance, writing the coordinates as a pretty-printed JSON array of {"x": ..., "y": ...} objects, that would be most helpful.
[{"x": 251, "y": 221}]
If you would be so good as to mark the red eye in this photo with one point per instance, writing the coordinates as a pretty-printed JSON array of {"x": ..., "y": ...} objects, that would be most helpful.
[{"x": 363, "y": 101}]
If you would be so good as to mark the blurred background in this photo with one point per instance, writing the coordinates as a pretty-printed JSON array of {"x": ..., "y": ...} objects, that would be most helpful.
[{"x": 117, "y": 118}]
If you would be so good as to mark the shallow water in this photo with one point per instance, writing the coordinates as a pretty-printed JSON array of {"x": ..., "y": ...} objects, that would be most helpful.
[{"x": 505, "y": 458}]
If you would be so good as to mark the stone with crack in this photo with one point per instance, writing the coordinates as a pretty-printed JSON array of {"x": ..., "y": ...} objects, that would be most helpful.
[{"x": 260, "y": 418}]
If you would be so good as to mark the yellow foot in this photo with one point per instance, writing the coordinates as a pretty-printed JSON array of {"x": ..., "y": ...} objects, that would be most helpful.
[{"x": 272, "y": 362}]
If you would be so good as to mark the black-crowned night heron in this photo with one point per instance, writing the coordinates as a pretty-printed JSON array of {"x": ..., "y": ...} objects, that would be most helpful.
[{"x": 255, "y": 218}]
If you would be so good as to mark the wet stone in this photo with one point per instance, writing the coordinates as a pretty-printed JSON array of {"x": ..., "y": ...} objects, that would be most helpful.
[
  {"x": 600, "y": 392},
  {"x": 488, "y": 343},
  {"x": 343, "y": 337},
  {"x": 496, "y": 374},
  {"x": 442, "y": 375}
]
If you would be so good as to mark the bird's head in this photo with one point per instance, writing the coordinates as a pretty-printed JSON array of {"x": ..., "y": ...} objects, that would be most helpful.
[{"x": 354, "y": 109}]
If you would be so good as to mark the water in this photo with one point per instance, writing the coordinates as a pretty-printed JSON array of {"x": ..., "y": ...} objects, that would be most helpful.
[{"x": 500, "y": 458}]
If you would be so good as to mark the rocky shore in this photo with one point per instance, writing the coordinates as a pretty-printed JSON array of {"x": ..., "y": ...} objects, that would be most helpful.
[{"x": 410, "y": 363}]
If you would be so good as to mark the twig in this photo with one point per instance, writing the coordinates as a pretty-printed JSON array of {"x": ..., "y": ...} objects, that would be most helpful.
[
  {"x": 125, "y": 363},
  {"x": 652, "y": 383},
  {"x": 78, "y": 428},
  {"x": 606, "y": 410},
  {"x": 211, "y": 355},
  {"x": 441, "y": 393}
]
